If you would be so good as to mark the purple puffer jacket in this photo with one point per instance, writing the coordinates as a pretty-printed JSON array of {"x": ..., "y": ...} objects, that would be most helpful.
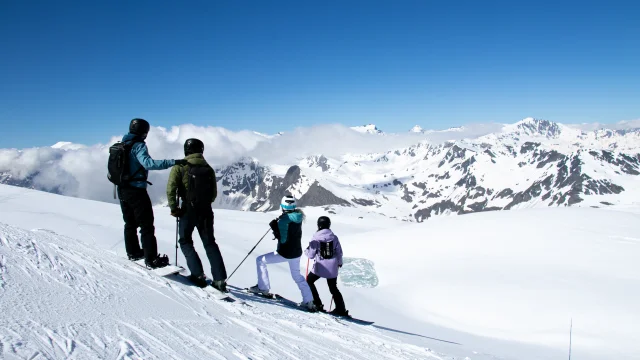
[{"x": 325, "y": 268}]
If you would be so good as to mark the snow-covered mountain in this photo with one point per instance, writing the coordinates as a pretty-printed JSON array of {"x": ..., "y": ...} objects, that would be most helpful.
[
  {"x": 446, "y": 289},
  {"x": 417, "y": 129},
  {"x": 368, "y": 129},
  {"x": 532, "y": 163}
]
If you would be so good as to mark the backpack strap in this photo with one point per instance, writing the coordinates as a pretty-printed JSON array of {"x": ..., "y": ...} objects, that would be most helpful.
[{"x": 129, "y": 145}]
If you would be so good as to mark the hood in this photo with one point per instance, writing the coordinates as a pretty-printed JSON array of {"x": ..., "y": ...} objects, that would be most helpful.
[
  {"x": 196, "y": 159},
  {"x": 324, "y": 235},
  {"x": 130, "y": 137},
  {"x": 295, "y": 216}
]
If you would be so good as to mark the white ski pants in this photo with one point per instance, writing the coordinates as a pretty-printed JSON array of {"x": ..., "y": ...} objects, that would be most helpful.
[{"x": 294, "y": 267}]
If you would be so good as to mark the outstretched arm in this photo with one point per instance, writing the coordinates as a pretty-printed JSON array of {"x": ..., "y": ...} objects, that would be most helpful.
[
  {"x": 142, "y": 154},
  {"x": 339, "y": 251},
  {"x": 312, "y": 250}
]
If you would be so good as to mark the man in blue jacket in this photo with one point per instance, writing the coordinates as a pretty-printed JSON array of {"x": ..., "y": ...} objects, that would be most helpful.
[{"x": 135, "y": 203}]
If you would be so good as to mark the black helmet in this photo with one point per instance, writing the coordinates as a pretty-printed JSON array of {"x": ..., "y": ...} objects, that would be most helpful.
[
  {"x": 139, "y": 127},
  {"x": 193, "y": 146},
  {"x": 324, "y": 223}
]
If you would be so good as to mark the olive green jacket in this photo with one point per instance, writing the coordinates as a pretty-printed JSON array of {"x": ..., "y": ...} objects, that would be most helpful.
[{"x": 179, "y": 181}]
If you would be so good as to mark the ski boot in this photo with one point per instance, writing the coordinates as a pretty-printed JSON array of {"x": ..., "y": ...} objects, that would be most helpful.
[
  {"x": 309, "y": 306},
  {"x": 159, "y": 262},
  {"x": 220, "y": 285},
  {"x": 136, "y": 256},
  {"x": 256, "y": 290},
  {"x": 199, "y": 281},
  {"x": 339, "y": 312}
]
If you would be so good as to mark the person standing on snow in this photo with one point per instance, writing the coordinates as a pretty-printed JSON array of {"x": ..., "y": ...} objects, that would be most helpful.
[
  {"x": 326, "y": 252},
  {"x": 195, "y": 183},
  {"x": 135, "y": 203},
  {"x": 287, "y": 229}
]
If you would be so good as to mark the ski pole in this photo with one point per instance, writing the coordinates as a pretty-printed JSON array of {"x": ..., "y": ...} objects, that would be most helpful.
[
  {"x": 177, "y": 225},
  {"x": 306, "y": 277},
  {"x": 245, "y": 258}
]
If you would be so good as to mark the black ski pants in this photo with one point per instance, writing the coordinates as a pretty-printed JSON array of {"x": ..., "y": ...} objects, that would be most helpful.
[
  {"x": 333, "y": 288},
  {"x": 138, "y": 213},
  {"x": 202, "y": 219}
]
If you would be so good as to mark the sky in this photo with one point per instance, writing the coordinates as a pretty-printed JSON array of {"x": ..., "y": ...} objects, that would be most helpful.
[{"x": 80, "y": 71}]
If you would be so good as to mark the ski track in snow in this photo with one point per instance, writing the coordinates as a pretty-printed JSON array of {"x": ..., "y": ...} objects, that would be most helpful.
[{"x": 85, "y": 303}]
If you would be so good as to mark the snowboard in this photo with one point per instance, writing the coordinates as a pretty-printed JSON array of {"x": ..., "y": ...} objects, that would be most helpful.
[
  {"x": 292, "y": 304},
  {"x": 163, "y": 271}
]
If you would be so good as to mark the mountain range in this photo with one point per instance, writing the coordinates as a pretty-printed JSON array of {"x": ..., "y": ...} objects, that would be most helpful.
[{"x": 532, "y": 163}]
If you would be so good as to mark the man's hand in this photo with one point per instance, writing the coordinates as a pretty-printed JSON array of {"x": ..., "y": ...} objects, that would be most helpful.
[
  {"x": 182, "y": 162},
  {"x": 177, "y": 212}
]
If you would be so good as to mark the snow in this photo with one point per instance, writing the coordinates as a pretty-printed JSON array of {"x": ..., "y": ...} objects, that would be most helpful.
[
  {"x": 367, "y": 129},
  {"x": 502, "y": 285},
  {"x": 65, "y": 145},
  {"x": 65, "y": 297}
]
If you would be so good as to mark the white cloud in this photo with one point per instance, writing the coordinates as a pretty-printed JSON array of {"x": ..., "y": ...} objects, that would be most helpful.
[
  {"x": 335, "y": 140},
  {"x": 621, "y": 125},
  {"x": 81, "y": 171}
]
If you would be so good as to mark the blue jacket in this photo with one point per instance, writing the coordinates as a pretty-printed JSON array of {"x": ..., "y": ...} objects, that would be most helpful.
[
  {"x": 289, "y": 235},
  {"x": 139, "y": 158}
]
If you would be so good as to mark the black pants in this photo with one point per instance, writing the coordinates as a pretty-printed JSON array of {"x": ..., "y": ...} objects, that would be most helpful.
[
  {"x": 138, "y": 213},
  {"x": 333, "y": 288},
  {"x": 203, "y": 220}
]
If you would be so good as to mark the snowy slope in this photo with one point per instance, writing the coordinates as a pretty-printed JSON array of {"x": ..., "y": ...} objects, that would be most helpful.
[{"x": 499, "y": 285}]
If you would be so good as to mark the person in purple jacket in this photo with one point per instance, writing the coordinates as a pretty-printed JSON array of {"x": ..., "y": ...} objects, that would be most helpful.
[{"x": 326, "y": 252}]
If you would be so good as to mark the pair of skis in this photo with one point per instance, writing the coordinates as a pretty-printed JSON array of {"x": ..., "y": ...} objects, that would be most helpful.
[
  {"x": 169, "y": 270},
  {"x": 227, "y": 297},
  {"x": 292, "y": 304}
]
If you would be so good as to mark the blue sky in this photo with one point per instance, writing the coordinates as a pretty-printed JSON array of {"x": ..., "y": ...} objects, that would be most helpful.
[{"x": 79, "y": 71}]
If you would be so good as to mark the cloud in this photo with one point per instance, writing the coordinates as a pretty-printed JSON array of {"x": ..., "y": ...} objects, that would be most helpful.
[
  {"x": 335, "y": 140},
  {"x": 621, "y": 125},
  {"x": 81, "y": 171}
]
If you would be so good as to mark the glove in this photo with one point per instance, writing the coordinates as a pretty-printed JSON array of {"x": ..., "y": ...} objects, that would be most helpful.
[
  {"x": 181, "y": 162},
  {"x": 177, "y": 212},
  {"x": 274, "y": 227}
]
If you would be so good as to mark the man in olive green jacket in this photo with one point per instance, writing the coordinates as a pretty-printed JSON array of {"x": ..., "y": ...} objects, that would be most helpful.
[{"x": 196, "y": 212}]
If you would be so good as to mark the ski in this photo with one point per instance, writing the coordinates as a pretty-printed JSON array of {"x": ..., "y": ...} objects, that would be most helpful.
[
  {"x": 279, "y": 299},
  {"x": 350, "y": 318},
  {"x": 217, "y": 294},
  {"x": 163, "y": 271},
  {"x": 292, "y": 304}
]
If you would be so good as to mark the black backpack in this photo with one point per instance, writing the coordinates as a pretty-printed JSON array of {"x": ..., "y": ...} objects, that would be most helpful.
[
  {"x": 200, "y": 191},
  {"x": 118, "y": 163},
  {"x": 326, "y": 249}
]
